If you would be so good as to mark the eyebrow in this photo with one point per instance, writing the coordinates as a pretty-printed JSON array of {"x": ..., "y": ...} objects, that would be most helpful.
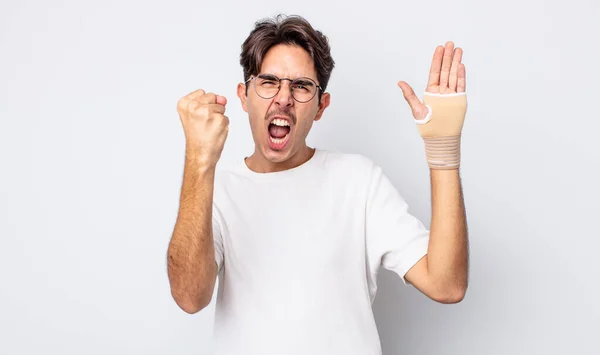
[
  {"x": 269, "y": 76},
  {"x": 304, "y": 82}
]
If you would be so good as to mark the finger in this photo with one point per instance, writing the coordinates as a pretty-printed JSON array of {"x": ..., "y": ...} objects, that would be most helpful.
[
  {"x": 461, "y": 83},
  {"x": 221, "y": 100},
  {"x": 222, "y": 118},
  {"x": 194, "y": 95},
  {"x": 212, "y": 98},
  {"x": 418, "y": 109},
  {"x": 436, "y": 67},
  {"x": 446, "y": 62},
  {"x": 208, "y": 98},
  {"x": 456, "y": 61},
  {"x": 409, "y": 94},
  {"x": 184, "y": 101},
  {"x": 216, "y": 108}
]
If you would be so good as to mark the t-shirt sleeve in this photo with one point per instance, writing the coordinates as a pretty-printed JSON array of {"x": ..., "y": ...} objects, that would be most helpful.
[
  {"x": 217, "y": 227},
  {"x": 396, "y": 239}
]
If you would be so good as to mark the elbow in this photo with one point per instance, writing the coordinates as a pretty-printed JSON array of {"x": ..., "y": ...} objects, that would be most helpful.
[
  {"x": 191, "y": 308},
  {"x": 450, "y": 295},
  {"x": 191, "y": 294},
  {"x": 192, "y": 300},
  {"x": 192, "y": 305}
]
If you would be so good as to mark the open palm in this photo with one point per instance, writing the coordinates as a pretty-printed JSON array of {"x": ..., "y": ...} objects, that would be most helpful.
[{"x": 447, "y": 75}]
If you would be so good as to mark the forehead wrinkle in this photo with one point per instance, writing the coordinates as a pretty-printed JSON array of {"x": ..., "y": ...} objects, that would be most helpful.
[
  {"x": 288, "y": 74},
  {"x": 288, "y": 62}
]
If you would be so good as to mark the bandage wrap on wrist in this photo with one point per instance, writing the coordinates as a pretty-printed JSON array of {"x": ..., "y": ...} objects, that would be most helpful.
[{"x": 441, "y": 129}]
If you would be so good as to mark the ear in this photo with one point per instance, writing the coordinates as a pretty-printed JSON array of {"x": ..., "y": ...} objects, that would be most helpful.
[
  {"x": 241, "y": 93},
  {"x": 325, "y": 99}
]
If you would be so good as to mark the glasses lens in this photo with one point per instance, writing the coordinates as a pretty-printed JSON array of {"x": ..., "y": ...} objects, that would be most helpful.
[
  {"x": 267, "y": 86},
  {"x": 303, "y": 89}
]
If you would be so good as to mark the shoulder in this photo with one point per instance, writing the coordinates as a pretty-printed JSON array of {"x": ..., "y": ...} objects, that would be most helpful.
[
  {"x": 358, "y": 171},
  {"x": 348, "y": 161},
  {"x": 227, "y": 174},
  {"x": 354, "y": 166}
]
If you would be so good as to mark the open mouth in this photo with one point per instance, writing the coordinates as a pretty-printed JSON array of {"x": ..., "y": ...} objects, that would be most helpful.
[{"x": 279, "y": 133}]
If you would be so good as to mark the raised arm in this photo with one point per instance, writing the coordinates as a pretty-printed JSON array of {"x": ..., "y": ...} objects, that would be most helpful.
[
  {"x": 191, "y": 263},
  {"x": 443, "y": 273}
]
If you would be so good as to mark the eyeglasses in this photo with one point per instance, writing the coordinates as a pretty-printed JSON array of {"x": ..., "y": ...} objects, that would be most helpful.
[{"x": 268, "y": 85}]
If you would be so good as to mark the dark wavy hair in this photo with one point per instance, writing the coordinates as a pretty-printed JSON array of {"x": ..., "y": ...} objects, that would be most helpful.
[{"x": 291, "y": 30}]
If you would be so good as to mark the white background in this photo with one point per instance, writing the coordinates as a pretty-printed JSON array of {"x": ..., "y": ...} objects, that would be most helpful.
[{"x": 91, "y": 154}]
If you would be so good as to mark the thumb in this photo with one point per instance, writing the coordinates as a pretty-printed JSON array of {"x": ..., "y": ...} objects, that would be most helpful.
[
  {"x": 221, "y": 100},
  {"x": 419, "y": 110}
]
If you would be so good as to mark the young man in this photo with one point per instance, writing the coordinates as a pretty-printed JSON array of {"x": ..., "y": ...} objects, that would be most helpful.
[{"x": 298, "y": 234}]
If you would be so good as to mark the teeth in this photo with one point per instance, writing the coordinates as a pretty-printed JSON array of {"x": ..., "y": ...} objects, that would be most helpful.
[
  {"x": 280, "y": 122},
  {"x": 278, "y": 140}
]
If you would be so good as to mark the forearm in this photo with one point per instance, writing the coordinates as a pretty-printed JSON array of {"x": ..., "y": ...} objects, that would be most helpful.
[
  {"x": 448, "y": 247},
  {"x": 191, "y": 259}
]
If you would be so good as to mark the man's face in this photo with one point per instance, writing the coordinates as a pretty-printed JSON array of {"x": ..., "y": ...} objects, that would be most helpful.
[{"x": 269, "y": 118}]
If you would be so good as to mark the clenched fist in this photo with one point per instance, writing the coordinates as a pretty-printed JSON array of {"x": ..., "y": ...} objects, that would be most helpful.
[{"x": 204, "y": 124}]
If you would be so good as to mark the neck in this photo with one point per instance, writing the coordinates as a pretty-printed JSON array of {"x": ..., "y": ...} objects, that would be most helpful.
[{"x": 258, "y": 163}]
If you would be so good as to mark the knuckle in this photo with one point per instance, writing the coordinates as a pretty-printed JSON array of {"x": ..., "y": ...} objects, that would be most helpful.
[
  {"x": 202, "y": 111},
  {"x": 209, "y": 96},
  {"x": 193, "y": 106},
  {"x": 198, "y": 92},
  {"x": 182, "y": 104},
  {"x": 224, "y": 124},
  {"x": 219, "y": 119}
]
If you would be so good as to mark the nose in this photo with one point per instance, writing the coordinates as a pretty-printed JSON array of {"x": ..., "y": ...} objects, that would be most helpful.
[{"x": 284, "y": 96}]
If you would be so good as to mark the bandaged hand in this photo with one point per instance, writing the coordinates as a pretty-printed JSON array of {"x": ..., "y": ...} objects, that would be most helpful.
[{"x": 440, "y": 117}]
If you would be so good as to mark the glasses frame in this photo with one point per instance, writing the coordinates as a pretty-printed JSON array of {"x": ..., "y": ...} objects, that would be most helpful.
[{"x": 279, "y": 86}]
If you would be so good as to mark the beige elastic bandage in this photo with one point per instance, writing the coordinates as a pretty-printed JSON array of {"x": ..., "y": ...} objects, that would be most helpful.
[{"x": 441, "y": 129}]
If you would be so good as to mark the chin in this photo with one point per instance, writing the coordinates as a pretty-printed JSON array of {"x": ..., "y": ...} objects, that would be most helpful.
[{"x": 278, "y": 150}]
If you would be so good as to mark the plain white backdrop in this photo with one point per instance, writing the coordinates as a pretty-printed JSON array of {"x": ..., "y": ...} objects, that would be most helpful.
[{"x": 91, "y": 159}]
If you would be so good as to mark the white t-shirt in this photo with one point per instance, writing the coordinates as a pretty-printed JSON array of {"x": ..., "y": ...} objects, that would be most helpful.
[{"x": 299, "y": 252}]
